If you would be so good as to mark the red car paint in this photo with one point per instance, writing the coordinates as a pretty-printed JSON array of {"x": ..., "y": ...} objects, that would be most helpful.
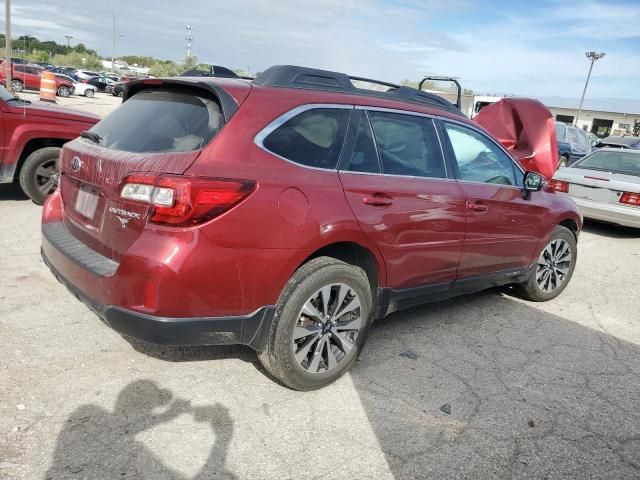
[
  {"x": 240, "y": 261},
  {"x": 27, "y": 127},
  {"x": 526, "y": 128},
  {"x": 30, "y": 75}
]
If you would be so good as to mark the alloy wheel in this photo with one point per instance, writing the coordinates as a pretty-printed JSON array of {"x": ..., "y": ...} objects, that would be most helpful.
[
  {"x": 554, "y": 265},
  {"x": 47, "y": 176},
  {"x": 327, "y": 327}
]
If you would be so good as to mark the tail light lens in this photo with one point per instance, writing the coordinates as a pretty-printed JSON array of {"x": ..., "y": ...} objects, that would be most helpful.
[
  {"x": 630, "y": 198},
  {"x": 185, "y": 201},
  {"x": 559, "y": 185}
]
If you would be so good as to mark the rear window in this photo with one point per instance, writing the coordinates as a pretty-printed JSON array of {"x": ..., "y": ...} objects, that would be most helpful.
[
  {"x": 618, "y": 162},
  {"x": 313, "y": 138},
  {"x": 161, "y": 121}
]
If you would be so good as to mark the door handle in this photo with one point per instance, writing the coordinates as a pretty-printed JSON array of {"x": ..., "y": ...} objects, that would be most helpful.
[
  {"x": 477, "y": 207},
  {"x": 377, "y": 201}
]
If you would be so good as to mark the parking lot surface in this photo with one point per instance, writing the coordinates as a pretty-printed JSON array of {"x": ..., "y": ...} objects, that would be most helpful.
[
  {"x": 102, "y": 104},
  {"x": 484, "y": 386}
]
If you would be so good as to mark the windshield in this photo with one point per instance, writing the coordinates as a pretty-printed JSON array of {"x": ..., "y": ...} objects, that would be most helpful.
[
  {"x": 161, "y": 121},
  {"x": 561, "y": 132},
  {"x": 4, "y": 93},
  {"x": 618, "y": 162}
]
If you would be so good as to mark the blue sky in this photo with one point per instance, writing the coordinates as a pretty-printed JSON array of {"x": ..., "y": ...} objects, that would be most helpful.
[{"x": 527, "y": 48}]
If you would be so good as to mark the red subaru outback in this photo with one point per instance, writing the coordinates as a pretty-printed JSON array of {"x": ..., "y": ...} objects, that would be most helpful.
[{"x": 288, "y": 212}]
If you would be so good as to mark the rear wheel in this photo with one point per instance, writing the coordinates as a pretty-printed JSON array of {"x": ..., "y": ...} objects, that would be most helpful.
[
  {"x": 17, "y": 85},
  {"x": 64, "y": 91},
  {"x": 320, "y": 324},
  {"x": 554, "y": 268},
  {"x": 39, "y": 174},
  {"x": 88, "y": 93}
]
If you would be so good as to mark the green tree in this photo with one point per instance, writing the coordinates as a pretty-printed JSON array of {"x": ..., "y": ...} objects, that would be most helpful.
[
  {"x": 79, "y": 60},
  {"x": 164, "y": 69},
  {"x": 190, "y": 62}
]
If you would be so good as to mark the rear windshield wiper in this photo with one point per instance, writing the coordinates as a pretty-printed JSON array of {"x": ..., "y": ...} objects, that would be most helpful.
[{"x": 94, "y": 137}]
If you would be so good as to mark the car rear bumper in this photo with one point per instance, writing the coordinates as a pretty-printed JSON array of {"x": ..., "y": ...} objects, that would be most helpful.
[
  {"x": 627, "y": 216},
  {"x": 244, "y": 329}
]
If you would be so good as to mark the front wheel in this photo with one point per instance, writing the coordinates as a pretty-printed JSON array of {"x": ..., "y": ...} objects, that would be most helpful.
[
  {"x": 554, "y": 268},
  {"x": 88, "y": 93},
  {"x": 17, "y": 85},
  {"x": 64, "y": 91},
  {"x": 320, "y": 324},
  {"x": 39, "y": 174}
]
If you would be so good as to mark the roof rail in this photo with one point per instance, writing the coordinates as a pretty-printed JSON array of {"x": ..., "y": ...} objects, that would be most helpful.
[{"x": 290, "y": 76}]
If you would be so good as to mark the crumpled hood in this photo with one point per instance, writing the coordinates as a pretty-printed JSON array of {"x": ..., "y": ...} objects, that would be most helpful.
[
  {"x": 527, "y": 129},
  {"x": 43, "y": 109}
]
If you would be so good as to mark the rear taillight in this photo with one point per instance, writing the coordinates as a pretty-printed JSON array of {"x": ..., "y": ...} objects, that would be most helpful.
[
  {"x": 185, "y": 201},
  {"x": 559, "y": 185},
  {"x": 630, "y": 198}
]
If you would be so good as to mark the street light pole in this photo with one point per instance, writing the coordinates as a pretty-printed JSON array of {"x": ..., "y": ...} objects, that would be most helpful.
[
  {"x": 593, "y": 56},
  {"x": 68, "y": 37},
  {"x": 113, "y": 52},
  {"x": 7, "y": 44}
]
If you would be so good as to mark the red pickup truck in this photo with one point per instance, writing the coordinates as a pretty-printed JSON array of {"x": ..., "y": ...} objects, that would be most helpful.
[{"x": 31, "y": 136}]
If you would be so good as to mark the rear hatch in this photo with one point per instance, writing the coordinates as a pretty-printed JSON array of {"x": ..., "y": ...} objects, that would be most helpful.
[{"x": 159, "y": 129}]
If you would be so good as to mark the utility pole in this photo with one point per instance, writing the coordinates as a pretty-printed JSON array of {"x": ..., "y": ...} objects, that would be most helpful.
[
  {"x": 68, "y": 37},
  {"x": 7, "y": 44},
  {"x": 113, "y": 52},
  {"x": 189, "y": 39},
  {"x": 593, "y": 56}
]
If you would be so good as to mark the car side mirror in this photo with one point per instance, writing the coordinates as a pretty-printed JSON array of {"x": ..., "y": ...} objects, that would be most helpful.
[{"x": 533, "y": 182}]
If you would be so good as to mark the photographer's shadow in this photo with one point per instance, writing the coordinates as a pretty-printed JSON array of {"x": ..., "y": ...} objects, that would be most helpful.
[{"x": 96, "y": 443}]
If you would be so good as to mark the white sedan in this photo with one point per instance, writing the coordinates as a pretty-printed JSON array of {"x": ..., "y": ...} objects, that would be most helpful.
[
  {"x": 605, "y": 185},
  {"x": 84, "y": 89}
]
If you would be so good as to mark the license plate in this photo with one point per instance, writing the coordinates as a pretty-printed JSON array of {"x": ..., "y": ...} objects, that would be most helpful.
[
  {"x": 590, "y": 193},
  {"x": 87, "y": 201}
]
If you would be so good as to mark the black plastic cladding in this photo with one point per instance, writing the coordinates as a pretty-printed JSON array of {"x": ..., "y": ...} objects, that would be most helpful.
[
  {"x": 291, "y": 76},
  {"x": 227, "y": 103}
]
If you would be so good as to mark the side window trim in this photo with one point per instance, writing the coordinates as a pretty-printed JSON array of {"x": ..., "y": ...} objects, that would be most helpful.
[
  {"x": 258, "y": 140},
  {"x": 454, "y": 164}
]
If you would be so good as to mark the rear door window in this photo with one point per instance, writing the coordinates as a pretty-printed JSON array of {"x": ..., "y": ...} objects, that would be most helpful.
[
  {"x": 363, "y": 158},
  {"x": 161, "y": 121},
  {"x": 313, "y": 138},
  {"x": 407, "y": 145}
]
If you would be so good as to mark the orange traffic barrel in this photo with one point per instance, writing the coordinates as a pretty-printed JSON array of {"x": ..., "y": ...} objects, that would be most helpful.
[{"x": 48, "y": 86}]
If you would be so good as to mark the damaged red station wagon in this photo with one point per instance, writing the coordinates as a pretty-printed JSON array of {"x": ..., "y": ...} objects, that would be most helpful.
[{"x": 288, "y": 212}]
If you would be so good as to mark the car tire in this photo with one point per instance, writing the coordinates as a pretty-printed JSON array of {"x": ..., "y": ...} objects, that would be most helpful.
[
  {"x": 39, "y": 173},
  {"x": 303, "y": 354},
  {"x": 64, "y": 91},
  {"x": 17, "y": 85},
  {"x": 563, "y": 162},
  {"x": 89, "y": 93},
  {"x": 553, "y": 268}
]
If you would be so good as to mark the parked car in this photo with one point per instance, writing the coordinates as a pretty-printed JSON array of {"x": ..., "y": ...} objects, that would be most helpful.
[
  {"x": 99, "y": 82},
  {"x": 28, "y": 77},
  {"x": 31, "y": 142},
  {"x": 80, "y": 88},
  {"x": 116, "y": 89},
  {"x": 620, "y": 142},
  {"x": 284, "y": 215},
  {"x": 85, "y": 74},
  {"x": 573, "y": 144},
  {"x": 66, "y": 72},
  {"x": 605, "y": 185},
  {"x": 112, "y": 76}
]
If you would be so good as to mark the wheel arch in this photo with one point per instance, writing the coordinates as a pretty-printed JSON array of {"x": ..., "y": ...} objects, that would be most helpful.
[
  {"x": 355, "y": 254},
  {"x": 571, "y": 225},
  {"x": 36, "y": 144}
]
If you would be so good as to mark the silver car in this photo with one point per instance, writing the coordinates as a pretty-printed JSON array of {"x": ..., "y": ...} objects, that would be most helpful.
[{"x": 605, "y": 185}]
